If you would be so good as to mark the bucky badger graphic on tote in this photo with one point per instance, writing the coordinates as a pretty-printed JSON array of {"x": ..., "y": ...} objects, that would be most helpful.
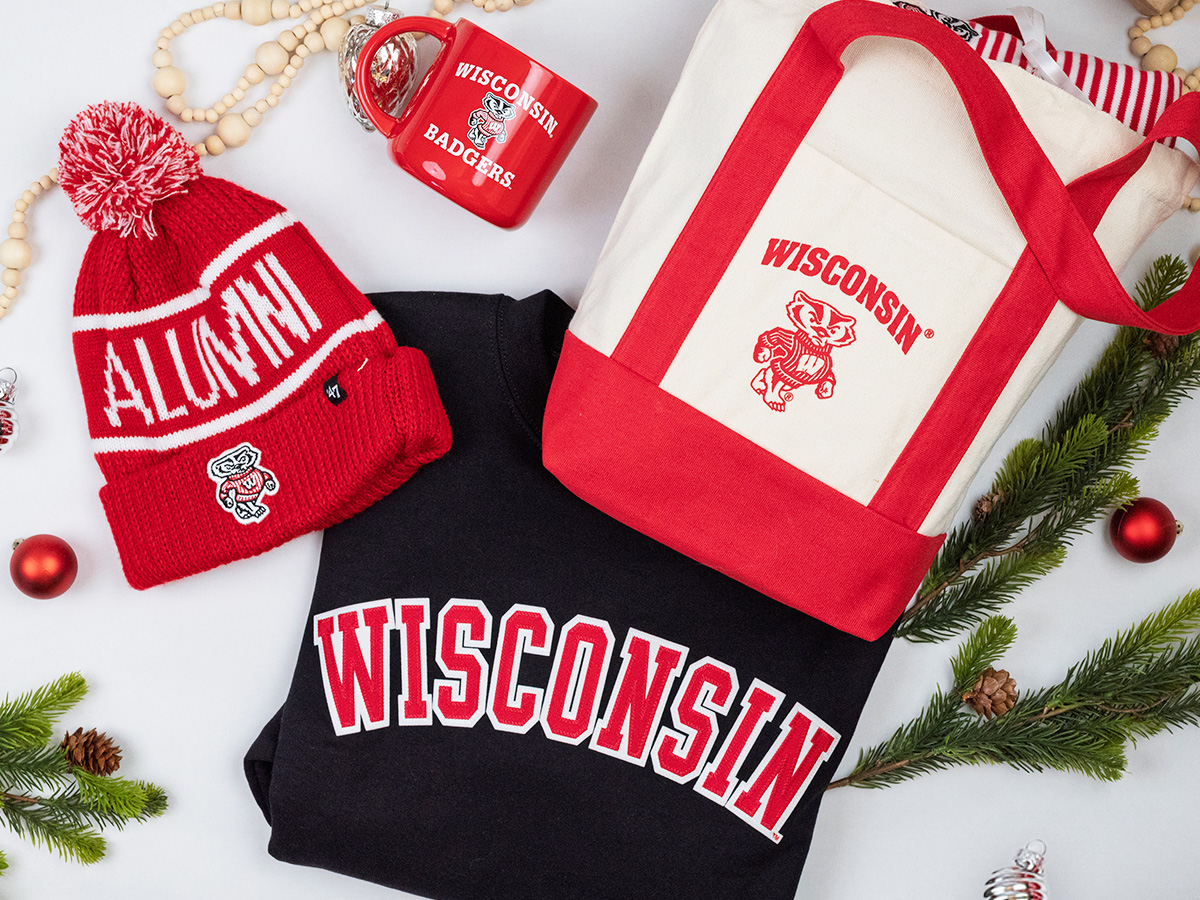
[{"x": 792, "y": 358}]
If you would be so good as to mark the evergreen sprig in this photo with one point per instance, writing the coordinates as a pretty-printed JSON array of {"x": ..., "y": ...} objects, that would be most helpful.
[
  {"x": 1052, "y": 488},
  {"x": 46, "y": 800},
  {"x": 1138, "y": 683}
]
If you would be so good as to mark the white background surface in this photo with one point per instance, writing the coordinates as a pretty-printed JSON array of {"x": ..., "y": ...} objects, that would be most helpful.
[{"x": 184, "y": 675}]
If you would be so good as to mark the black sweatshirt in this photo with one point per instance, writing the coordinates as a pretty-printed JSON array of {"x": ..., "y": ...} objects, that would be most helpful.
[{"x": 504, "y": 694}]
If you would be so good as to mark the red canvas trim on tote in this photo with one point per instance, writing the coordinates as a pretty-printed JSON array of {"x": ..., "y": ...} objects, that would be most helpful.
[
  {"x": 937, "y": 446},
  {"x": 690, "y": 482}
]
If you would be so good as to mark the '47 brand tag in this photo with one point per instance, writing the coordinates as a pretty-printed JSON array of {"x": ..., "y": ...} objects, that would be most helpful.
[{"x": 333, "y": 391}]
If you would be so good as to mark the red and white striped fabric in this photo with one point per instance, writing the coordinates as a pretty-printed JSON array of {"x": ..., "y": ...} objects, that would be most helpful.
[
  {"x": 1127, "y": 93},
  {"x": 846, "y": 259},
  {"x": 239, "y": 390}
]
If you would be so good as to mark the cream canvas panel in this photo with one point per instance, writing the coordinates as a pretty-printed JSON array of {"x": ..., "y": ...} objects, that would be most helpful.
[
  {"x": 851, "y": 439},
  {"x": 749, "y": 37}
]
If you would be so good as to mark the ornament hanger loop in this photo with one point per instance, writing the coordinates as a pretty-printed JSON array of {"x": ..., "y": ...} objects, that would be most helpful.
[{"x": 8, "y": 369}]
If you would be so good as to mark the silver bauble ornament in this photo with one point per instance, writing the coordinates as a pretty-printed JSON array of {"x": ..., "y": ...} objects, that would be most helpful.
[
  {"x": 393, "y": 71},
  {"x": 1021, "y": 881},
  {"x": 9, "y": 425}
]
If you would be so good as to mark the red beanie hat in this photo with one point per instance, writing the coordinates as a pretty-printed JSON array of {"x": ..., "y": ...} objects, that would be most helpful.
[{"x": 239, "y": 390}]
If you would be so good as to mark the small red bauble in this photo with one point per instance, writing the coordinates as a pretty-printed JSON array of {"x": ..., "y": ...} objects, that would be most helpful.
[
  {"x": 43, "y": 566},
  {"x": 1143, "y": 531}
]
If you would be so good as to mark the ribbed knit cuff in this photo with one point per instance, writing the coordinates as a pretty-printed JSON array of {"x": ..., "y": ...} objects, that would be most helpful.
[{"x": 327, "y": 462}]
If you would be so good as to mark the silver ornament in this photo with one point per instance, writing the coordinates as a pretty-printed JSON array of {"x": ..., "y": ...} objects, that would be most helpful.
[
  {"x": 393, "y": 71},
  {"x": 1021, "y": 881},
  {"x": 9, "y": 426}
]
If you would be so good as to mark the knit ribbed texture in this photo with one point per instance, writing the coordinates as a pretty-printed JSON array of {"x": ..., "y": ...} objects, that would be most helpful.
[{"x": 239, "y": 390}]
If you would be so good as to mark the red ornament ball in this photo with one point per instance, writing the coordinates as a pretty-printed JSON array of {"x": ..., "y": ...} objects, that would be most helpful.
[
  {"x": 43, "y": 566},
  {"x": 1143, "y": 531}
]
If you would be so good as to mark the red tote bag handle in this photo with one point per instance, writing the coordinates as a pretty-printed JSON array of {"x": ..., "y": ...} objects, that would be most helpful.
[{"x": 1056, "y": 221}]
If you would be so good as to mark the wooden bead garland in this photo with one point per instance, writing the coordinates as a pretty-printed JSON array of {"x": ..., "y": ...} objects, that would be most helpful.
[
  {"x": 16, "y": 253},
  {"x": 280, "y": 59},
  {"x": 1161, "y": 58}
]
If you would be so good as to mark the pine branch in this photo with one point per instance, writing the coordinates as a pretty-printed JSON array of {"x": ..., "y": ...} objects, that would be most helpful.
[
  {"x": 29, "y": 720},
  {"x": 1140, "y": 682},
  {"x": 29, "y": 769},
  {"x": 43, "y": 826},
  {"x": 1050, "y": 489},
  {"x": 55, "y": 802}
]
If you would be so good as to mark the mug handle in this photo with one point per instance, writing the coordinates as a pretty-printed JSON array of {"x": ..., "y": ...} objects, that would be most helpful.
[{"x": 440, "y": 29}]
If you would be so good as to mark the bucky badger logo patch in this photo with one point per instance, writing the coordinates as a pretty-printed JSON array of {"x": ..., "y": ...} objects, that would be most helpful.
[
  {"x": 488, "y": 122},
  {"x": 792, "y": 358},
  {"x": 242, "y": 483}
]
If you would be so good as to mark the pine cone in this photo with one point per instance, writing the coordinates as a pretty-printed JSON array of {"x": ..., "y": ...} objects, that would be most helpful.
[
  {"x": 92, "y": 752},
  {"x": 1161, "y": 346},
  {"x": 985, "y": 505},
  {"x": 994, "y": 693}
]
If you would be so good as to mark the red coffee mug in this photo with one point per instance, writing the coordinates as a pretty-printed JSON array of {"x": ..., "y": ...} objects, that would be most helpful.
[{"x": 488, "y": 126}]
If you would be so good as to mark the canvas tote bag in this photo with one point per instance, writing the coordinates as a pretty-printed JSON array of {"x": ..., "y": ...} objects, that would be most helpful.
[{"x": 851, "y": 251}]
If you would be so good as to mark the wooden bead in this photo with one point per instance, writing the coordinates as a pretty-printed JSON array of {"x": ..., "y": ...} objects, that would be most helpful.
[
  {"x": 233, "y": 9},
  {"x": 1139, "y": 46},
  {"x": 46, "y": 182},
  {"x": 254, "y": 74},
  {"x": 284, "y": 81},
  {"x": 186, "y": 116},
  {"x": 1186, "y": 5},
  {"x": 10, "y": 278},
  {"x": 504, "y": 5},
  {"x": 162, "y": 44},
  {"x": 1159, "y": 58},
  {"x": 233, "y": 130},
  {"x": 300, "y": 31},
  {"x": 169, "y": 81},
  {"x": 314, "y": 42},
  {"x": 445, "y": 7},
  {"x": 230, "y": 100},
  {"x": 1156, "y": 21},
  {"x": 272, "y": 100},
  {"x": 1135, "y": 33},
  {"x": 1177, "y": 13},
  {"x": 302, "y": 51},
  {"x": 252, "y": 116},
  {"x": 200, "y": 149},
  {"x": 1180, "y": 72},
  {"x": 1192, "y": 82},
  {"x": 28, "y": 196},
  {"x": 262, "y": 106},
  {"x": 1143, "y": 23},
  {"x": 18, "y": 216},
  {"x": 296, "y": 62},
  {"x": 288, "y": 41},
  {"x": 10, "y": 293},
  {"x": 243, "y": 84},
  {"x": 276, "y": 90},
  {"x": 186, "y": 20},
  {"x": 210, "y": 12},
  {"x": 290, "y": 71},
  {"x": 214, "y": 145},
  {"x": 333, "y": 32},
  {"x": 271, "y": 57},
  {"x": 219, "y": 8},
  {"x": 339, "y": 8},
  {"x": 15, "y": 253},
  {"x": 256, "y": 12},
  {"x": 220, "y": 108},
  {"x": 178, "y": 28},
  {"x": 1194, "y": 204},
  {"x": 176, "y": 104},
  {"x": 358, "y": 20},
  {"x": 20, "y": 206},
  {"x": 162, "y": 58},
  {"x": 18, "y": 230},
  {"x": 280, "y": 9}
]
